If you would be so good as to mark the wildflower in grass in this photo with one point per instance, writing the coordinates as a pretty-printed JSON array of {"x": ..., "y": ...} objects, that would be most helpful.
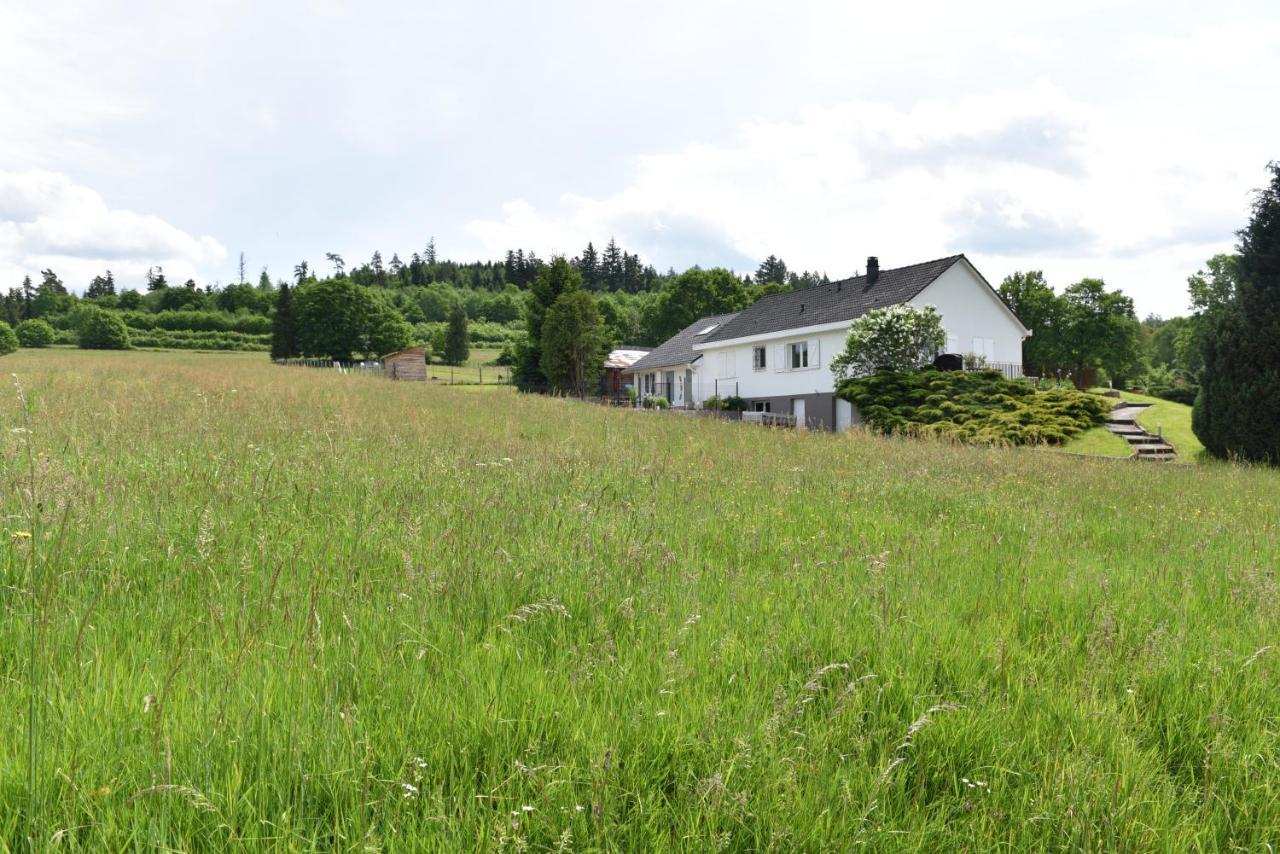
[
  {"x": 22, "y": 535},
  {"x": 410, "y": 790}
]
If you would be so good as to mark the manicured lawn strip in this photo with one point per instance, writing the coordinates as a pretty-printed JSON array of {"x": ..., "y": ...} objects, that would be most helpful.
[
  {"x": 1174, "y": 421},
  {"x": 1098, "y": 442}
]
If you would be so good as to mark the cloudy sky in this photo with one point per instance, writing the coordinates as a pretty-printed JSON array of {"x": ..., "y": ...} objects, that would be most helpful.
[{"x": 1090, "y": 138}]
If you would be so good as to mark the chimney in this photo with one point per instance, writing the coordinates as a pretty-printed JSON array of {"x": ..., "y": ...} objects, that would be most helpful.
[{"x": 873, "y": 270}]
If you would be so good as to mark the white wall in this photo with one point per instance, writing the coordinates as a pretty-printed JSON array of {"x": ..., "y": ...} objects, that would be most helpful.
[
  {"x": 970, "y": 310},
  {"x": 968, "y": 307},
  {"x": 734, "y": 363}
]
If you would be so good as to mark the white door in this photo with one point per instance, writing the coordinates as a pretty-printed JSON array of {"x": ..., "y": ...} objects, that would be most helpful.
[
  {"x": 844, "y": 414},
  {"x": 797, "y": 409}
]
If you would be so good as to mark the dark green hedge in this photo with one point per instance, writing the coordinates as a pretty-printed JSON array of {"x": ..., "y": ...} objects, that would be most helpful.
[
  {"x": 974, "y": 406},
  {"x": 198, "y": 321},
  {"x": 185, "y": 340}
]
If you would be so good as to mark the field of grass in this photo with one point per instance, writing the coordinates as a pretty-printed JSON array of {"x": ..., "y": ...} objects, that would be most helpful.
[
  {"x": 245, "y": 607},
  {"x": 1171, "y": 419},
  {"x": 477, "y": 369}
]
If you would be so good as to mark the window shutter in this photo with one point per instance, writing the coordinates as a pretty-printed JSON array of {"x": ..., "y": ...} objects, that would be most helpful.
[
  {"x": 780, "y": 357},
  {"x": 815, "y": 353}
]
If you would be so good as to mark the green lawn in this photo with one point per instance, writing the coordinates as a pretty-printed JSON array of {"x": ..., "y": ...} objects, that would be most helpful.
[
  {"x": 245, "y": 607},
  {"x": 1098, "y": 442},
  {"x": 1171, "y": 419}
]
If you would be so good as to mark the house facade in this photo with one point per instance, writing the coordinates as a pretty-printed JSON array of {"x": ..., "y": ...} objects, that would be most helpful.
[
  {"x": 776, "y": 355},
  {"x": 674, "y": 371}
]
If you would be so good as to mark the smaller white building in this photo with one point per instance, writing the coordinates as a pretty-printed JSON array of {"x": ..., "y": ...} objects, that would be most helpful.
[{"x": 672, "y": 371}]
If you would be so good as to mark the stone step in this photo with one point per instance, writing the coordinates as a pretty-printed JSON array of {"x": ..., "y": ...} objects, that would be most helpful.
[{"x": 1153, "y": 449}]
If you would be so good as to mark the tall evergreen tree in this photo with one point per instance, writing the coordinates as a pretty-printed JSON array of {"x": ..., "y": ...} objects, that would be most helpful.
[
  {"x": 457, "y": 345},
  {"x": 155, "y": 279},
  {"x": 772, "y": 270},
  {"x": 574, "y": 344},
  {"x": 101, "y": 286},
  {"x": 430, "y": 255},
  {"x": 552, "y": 280},
  {"x": 28, "y": 298},
  {"x": 611, "y": 266},
  {"x": 284, "y": 342},
  {"x": 50, "y": 283},
  {"x": 264, "y": 280},
  {"x": 588, "y": 265},
  {"x": 1237, "y": 412}
]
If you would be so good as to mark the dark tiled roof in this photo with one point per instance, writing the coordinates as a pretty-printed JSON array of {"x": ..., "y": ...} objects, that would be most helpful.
[
  {"x": 832, "y": 303},
  {"x": 678, "y": 349}
]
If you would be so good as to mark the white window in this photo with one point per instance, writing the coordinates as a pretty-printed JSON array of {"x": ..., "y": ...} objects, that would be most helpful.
[
  {"x": 727, "y": 365},
  {"x": 759, "y": 406},
  {"x": 985, "y": 347},
  {"x": 798, "y": 355},
  {"x": 758, "y": 358}
]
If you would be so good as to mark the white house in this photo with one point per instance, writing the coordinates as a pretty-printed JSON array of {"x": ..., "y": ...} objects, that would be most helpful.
[{"x": 776, "y": 354}]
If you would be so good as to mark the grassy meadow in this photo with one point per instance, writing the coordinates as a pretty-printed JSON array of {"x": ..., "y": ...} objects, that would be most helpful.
[{"x": 245, "y": 607}]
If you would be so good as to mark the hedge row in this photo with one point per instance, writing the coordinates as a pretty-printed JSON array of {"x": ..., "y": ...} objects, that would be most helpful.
[
  {"x": 183, "y": 340},
  {"x": 974, "y": 406},
  {"x": 198, "y": 321}
]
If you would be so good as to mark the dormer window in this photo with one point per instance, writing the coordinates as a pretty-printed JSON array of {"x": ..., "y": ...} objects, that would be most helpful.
[{"x": 709, "y": 329}]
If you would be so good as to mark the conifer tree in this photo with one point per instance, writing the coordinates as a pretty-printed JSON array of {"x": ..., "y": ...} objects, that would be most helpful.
[
  {"x": 283, "y": 338},
  {"x": 457, "y": 346},
  {"x": 1237, "y": 412}
]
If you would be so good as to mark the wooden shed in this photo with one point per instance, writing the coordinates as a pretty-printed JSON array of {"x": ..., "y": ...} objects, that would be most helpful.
[{"x": 408, "y": 364}]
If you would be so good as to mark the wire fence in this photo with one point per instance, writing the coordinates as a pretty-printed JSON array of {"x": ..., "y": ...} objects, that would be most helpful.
[{"x": 444, "y": 374}]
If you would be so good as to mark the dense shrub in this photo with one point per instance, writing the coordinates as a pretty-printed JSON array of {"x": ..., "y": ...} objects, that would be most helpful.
[
  {"x": 895, "y": 338},
  {"x": 977, "y": 406},
  {"x": 1177, "y": 393},
  {"x": 35, "y": 333},
  {"x": 8, "y": 341},
  {"x": 101, "y": 330},
  {"x": 185, "y": 340},
  {"x": 198, "y": 321}
]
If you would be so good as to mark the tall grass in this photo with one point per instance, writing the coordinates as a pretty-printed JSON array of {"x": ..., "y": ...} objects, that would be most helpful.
[{"x": 295, "y": 610}]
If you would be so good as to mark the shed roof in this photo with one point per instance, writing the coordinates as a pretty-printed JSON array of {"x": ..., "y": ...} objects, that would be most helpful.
[
  {"x": 624, "y": 357},
  {"x": 411, "y": 351}
]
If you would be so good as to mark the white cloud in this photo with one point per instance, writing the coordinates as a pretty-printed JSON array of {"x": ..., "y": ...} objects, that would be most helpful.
[
  {"x": 1022, "y": 178},
  {"x": 47, "y": 220}
]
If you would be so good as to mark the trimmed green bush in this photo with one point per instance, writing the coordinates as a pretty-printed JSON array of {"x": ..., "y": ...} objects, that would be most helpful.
[
  {"x": 974, "y": 406},
  {"x": 104, "y": 331},
  {"x": 190, "y": 340},
  {"x": 34, "y": 333},
  {"x": 8, "y": 341}
]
